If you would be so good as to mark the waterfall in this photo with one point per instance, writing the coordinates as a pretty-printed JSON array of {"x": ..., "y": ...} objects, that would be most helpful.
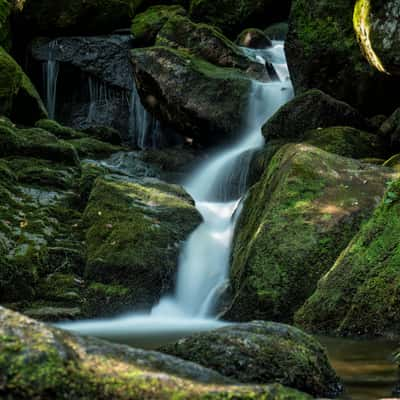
[
  {"x": 204, "y": 261},
  {"x": 144, "y": 129},
  {"x": 50, "y": 76}
]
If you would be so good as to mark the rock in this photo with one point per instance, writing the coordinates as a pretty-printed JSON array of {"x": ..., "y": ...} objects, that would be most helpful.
[
  {"x": 253, "y": 38},
  {"x": 135, "y": 230},
  {"x": 145, "y": 26},
  {"x": 390, "y": 130},
  {"x": 62, "y": 132},
  {"x": 105, "y": 134},
  {"x": 198, "y": 99},
  {"x": 65, "y": 17},
  {"x": 295, "y": 222},
  {"x": 5, "y": 36},
  {"x": 53, "y": 314},
  {"x": 93, "y": 148},
  {"x": 359, "y": 295},
  {"x": 262, "y": 352},
  {"x": 232, "y": 16},
  {"x": 393, "y": 162},
  {"x": 36, "y": 359},
  {"x": 311, "y": 110},
  {"x": 378, "y": 32},
  {"x": 18, "y": 97},
  {"x": 346, "y": 142},
  {"x": 277, "y": 31},
  {"x": 208, "y": 43},
  {"x": 36, "y": 142},
  {"x": 323, "y": 53}
]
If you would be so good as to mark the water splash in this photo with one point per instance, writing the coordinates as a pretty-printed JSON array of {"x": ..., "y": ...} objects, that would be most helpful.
[{"x": 51, "y": 70}]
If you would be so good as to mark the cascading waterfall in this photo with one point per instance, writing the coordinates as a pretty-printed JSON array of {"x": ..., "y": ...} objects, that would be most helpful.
[
  {"x": 51, "y": 69},
  {"x": 204, "y": 261},
  {"x": 144, "y": 129}
]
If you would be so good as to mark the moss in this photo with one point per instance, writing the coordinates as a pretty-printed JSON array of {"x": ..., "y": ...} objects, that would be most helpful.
[
  {"x": 62, "y": 132},
  {"x": 393, "y": 162},
  {"x": 295, "y": 222},
  {"x": 347, "y": 142},
  {"x": 5, "y": 36},
  {"x": 93, "y": 148},
  {"x": 18, "y": 97},
  {"x": 145, "y": 26},
  {"x": 360, "y": 293},
  {"x": 131, "y": 227},
  {"x": 90, "y": 172},
  {"x": 253, "y": 38}
]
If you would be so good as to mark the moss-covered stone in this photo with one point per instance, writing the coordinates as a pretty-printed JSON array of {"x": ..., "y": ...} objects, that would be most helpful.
[
  {"x": 208, "y": 43},
  {"x": 262, "y": 352},
  {"x": 277, "y": 31},
  {"x": 253, "y": 38},
  {"x": 193, "y": 96},
  {"x": 145, "y": 26},
  {"x": 62, "y": 132},
  {"x": 393, "y": 162},
  {"x": 232, "y": 16},
  {"x": 37, "y": 361},
  {"x": 105, "y": 134},
  {"x": 88, "y": 147},
  {"x": 311, "y": 110},
  {"x": 346, "y": 142},
  {"x": 322, "y": 31},
  {"x": 294, "y": 224},
  {"x": 134, "y": 234},
  {"x": 18, "y": 97},
  {"x": 360, "y": 293}
]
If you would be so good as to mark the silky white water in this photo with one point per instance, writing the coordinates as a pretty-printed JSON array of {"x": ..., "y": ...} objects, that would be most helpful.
[
  {"x": 204, "y": 260},
  {"x": 50, "y": 77}
]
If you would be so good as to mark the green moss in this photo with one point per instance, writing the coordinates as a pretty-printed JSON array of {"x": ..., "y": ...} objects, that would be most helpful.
[
  {"x": 5, "y": 36},
  {"x": 92, "y": 148},
  {"x": 62, "y": 132},
  {"x": 359, "y": 294},
  {"x": 145, "y": 26},
  {"x": 295, "y": 221},
  {"x": 18, "y": 97}
]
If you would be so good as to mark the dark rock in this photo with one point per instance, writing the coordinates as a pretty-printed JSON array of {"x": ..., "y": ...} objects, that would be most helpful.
[
  {"x": 254, "y": 39},
  {"x": 277, "y": 31},
  {"x": 390, "y": 130},
  {"x": 262, "y": 352},
  {"x": 311, "y": 110}
]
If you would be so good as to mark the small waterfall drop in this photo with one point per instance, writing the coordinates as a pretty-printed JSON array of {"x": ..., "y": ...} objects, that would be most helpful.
[
  {"x": 51, "y": 69},
  {"x": 204, "y": 261}
]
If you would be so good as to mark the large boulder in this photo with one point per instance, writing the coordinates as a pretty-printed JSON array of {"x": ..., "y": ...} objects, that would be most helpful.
[
  {"x": 360, "y": 293},
  {"x": 208, "y": 43},
  {"x": 198, "y": 99},
  {"x": 39, "y": 361},
  {"x": 311, "y": 110},
  {"x": 295, "y": 222},
  {"x": 390, "y": 130},
  {"x": 232, "y": 16},
  {"x": 254, "y": 39},
  {"x": 18, "y": 97},
  {"x": 378, "y": 31},
  {"x": 134, "y": 233},
  {"x": 262, "y": 352},
  {"x": 323, "y": 53}
]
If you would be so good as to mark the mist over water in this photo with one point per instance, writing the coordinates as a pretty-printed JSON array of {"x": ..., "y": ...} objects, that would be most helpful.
[{"x": 217, "y": 187}]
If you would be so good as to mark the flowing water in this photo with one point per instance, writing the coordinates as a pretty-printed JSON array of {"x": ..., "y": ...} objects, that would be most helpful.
[
  {"x": 204, "y": 261},
  {"x": 51, "y": 69}
]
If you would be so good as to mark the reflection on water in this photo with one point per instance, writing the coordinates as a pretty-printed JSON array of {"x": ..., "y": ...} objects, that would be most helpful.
[{"x": 366, "y": 367}]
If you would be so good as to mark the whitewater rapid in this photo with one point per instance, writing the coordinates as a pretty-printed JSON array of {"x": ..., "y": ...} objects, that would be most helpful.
[{"x": 217, "y": 187}]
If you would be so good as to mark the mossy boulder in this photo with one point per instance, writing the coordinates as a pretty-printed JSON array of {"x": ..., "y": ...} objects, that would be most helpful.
[
  {"x": 88, "y": 147},
  {"x": 39, "y": 361},
  {"x": 232, "y": 16},
  {"x": 36, "y": 142},
  {"x": 5, "y": 35},
  {"x": 18, "y": 97},
  {"x": 262, "y": 352},
  {"x": 208, "y": 43},
  {"x": 198, "y": 99},
  {"x": 393, "y": 162},
  {"x": 323, "y": 53},
  {"x": 62, "y": 132},
  {"x": 66, "y": 17},
  {"x": 347, "y": 142},
  {"x": 277, "y": 31},
  {"x": 359, "y": 295},
  {"x": 295, "y": 222},
  {"x": 135, "y": 230},
  {"x": 105, "y": 134},
  {"x": 311, "y": 110},
  {"x": 146, "y": 25},
  {"x": 254, "y": 39},
  {"x": 378, "y": 31}
]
